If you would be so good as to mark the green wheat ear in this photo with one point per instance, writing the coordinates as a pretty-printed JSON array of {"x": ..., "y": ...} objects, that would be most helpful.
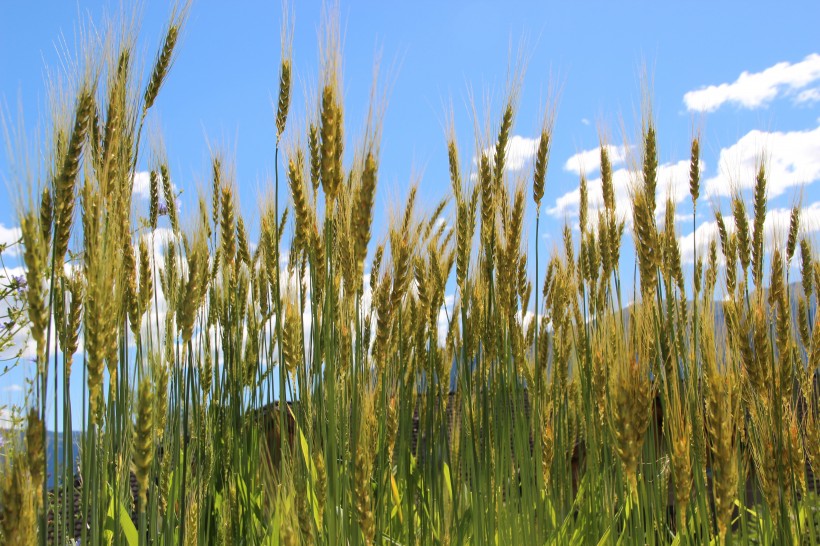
[
  {"x": 144, "y": 438},
  {"x": 35, "y": 432}
]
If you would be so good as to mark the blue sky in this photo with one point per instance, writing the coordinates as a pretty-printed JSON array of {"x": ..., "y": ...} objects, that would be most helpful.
[{"x": 746, "y": 74}]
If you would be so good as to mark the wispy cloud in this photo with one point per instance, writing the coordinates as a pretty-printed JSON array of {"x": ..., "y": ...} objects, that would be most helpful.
[
  {"x": 792, "y": 159},
  {"x": 808, "y": 96},
  {"x": 758, "y": 89}
]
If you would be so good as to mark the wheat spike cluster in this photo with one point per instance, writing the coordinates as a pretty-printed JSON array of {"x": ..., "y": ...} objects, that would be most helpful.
[{"x": 298, "y": 375}]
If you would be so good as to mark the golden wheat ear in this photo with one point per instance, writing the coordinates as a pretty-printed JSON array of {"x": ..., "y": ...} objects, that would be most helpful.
[
  {"x": 67, "y": 176},
  {"x": 330, "y": 146},
  {"x": 363, "y": 208},
  {"x": 503, "y": 139},
  {"x": 20, "y": 501},
  {"x": 650, "y": 164},
  {"x": 299, "y": 196},
  {"x": 694, "y": 171},
  {"x": 165, "y": 58},
  {"x": 542, "y": 156},
  {"x": 285, "y": 73},
  {"x": 283, "y": 102},
  {"x": 34, "y": 258}
]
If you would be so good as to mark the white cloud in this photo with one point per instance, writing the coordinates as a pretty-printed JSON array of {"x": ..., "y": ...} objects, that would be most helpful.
[
  {"x": 590, "y": 160},
  {"x": 705, "y": 234},
  {"x": 445, "y": 315},
  {"x": 808, "y": 96},
  {"x": 18, "y": 340},
  {"x": 673, "y": 181},
  {"x": 22, "y": 342},
  {"x": 519, "y": 152},
  {"x": 29, "y": 353},
  {"x": 8, "y": 419},
  {"x": 13, "y": 388},
  {"x": 9, "y": 236},
  {"x": 142, "y": 185},
  {"x": 9, "y": 272},
  {"x": 792, "y": 159},
  {"x": 685, "y": 219},
  {"x": 775, "y": 230},
  {"x": 754, "y": 90},
  {"x": 584, "y": 121}
]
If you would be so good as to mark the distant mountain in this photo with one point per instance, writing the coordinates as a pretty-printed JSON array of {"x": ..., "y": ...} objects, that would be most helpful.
[{"x": 76, "y": 439}]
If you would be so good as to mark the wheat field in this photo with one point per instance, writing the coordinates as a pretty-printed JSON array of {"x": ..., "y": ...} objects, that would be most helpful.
[{"x": 685, "y": 413}]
